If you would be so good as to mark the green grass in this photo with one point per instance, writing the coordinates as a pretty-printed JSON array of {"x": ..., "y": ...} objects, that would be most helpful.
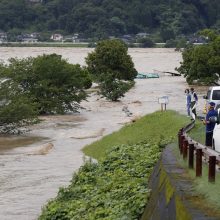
[
  {"x": 205, "y": 192},
  {"x": 198, "y": 132},
  {"x": 208, "y": 191},
  {"x": 116, "y": 187},
  {"x": 152, "y": 128}
]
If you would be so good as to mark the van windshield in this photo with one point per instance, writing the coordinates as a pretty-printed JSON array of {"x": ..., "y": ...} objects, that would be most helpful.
[{"x": 216, "y": 95}]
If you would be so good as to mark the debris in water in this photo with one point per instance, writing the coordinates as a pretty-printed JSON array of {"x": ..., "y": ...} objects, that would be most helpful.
[
  {"x": 93, "y": 135},
  {"x": 45, "y": 149},
  {"x": 127, "y": 112}
]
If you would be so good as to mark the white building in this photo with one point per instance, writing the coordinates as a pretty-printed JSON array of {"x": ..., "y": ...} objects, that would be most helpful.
[
  {"x": 3, "y": 37},
  {"x": 57, "y": 37}
]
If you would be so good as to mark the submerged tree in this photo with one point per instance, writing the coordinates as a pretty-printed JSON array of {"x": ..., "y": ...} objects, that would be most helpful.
[
  {"x": 33, "y": 86},
  {"x": 16, "y": 108},
  {"x": 58, "y": 86},
  {"x": 202, "y": 63},
  {"x": 112, "y": 67},
  {"x": 113, "y": 88},
  {"x": 55, "y": 85}
]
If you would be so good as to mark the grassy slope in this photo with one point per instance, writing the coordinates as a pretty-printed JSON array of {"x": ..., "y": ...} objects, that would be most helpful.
[
  {"x": 198, "y": 132},
  {"x": 209, "y": 191},
  {"x": 116, "y": 187},
  {"x": 152, "y": 127}
]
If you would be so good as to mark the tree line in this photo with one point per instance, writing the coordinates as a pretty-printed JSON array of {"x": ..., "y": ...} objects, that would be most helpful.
[{"x": 102, "y": 18}]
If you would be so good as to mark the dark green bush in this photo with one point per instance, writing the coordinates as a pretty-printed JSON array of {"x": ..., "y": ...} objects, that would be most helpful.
[{"x": 115, "y": 188}]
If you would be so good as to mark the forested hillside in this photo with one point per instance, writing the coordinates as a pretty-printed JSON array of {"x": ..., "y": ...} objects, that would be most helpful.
[{"x": 100, "y": 18}]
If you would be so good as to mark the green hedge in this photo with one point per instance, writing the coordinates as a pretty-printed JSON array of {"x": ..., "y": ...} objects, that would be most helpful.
[
  {"x": 117, "y": 186},
  {"x": 114, "y": 188}
]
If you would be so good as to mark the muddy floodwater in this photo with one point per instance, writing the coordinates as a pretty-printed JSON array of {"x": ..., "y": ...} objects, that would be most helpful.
[{"x": 34, "y": 166}]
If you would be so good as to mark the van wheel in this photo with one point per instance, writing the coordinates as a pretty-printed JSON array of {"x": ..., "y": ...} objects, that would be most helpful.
[{"x": 213, "y": 144}]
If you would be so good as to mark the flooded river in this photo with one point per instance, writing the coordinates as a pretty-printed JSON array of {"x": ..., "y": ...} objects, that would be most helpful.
[{"x": 34, "y": 166}]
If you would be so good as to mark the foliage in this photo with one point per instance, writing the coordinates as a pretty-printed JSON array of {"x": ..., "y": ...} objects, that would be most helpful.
[
  {"x": 115, "y": 188},
  {"x": 208, "y": 194},
  {"x": 178, "y": 43},
  {"x": 202, "y": 63},
  {"x": 16, "y": 109},
  {"x": 58, "y": 85},
  {"x": 99, "y": 19},
  {"x": 55, "y": 85},
  {"x": 32, "y": 86},
  {"x": 181, "y": 43},
  {"x": 198, "y": 132},
  {"x": 170, "y": 43},
  {"x": 210, "y": 34},
  {"x": 151, "y": 128},
  {"x": 16, "y": 113},
  {"x": 146, "y": 42},
  {"x": 112, "y": 68},
  {"x": 113, "y": 89},
  {"x": 110, "y": 56}
]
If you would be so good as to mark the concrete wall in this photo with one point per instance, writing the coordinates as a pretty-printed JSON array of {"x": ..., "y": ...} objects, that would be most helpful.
[{"x": 172, "y": 194}]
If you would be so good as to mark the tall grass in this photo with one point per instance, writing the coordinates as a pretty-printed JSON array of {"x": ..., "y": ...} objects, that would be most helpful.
[
  {"x": 205, "y": 194},
  {"x": 198, "y": 132},
  {"x": 202, "y": 187},
  {"x": 116, "y": 187},
  {"x": 151, "y": 128}
]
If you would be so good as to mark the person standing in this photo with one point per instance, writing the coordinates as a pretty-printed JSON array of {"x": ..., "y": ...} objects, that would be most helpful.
[
  {"x": 210, "y": 121},
  {"x": 188, "y": 101},
  {"x": 194, "y": 101}
]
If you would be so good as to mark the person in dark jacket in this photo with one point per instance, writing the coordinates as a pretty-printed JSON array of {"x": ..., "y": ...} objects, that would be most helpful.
[{"x": 210, "y": 121}]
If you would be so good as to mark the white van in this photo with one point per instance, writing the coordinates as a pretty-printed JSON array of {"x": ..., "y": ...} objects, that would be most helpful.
[{"x": 213, "y": 95}]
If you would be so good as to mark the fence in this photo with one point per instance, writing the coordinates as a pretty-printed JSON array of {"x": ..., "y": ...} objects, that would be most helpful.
[{"x": 190, "y": 148}]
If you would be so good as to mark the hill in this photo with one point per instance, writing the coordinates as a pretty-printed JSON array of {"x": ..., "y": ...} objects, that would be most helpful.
[{"x": 100, "y": 18}]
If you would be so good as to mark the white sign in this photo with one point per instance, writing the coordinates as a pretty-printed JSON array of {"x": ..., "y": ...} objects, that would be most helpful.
[{"x": 163, "y": 100}]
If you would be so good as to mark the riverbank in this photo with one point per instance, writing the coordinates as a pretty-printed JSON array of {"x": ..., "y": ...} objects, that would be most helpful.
[
  {"x": 29, "y": 178},
  {"x": 34, "y": 178},
  {"x": 116, "y": 187},
  {"x": 44, "y": 44},
  {"x": 64, "y": 44}
]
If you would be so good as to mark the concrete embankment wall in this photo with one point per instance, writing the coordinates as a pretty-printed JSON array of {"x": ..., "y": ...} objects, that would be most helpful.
[{"x": 172, "y": 194}]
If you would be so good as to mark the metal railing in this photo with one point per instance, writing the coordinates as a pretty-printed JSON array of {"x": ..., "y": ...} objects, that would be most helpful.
[{"x": 190, "y": 148}]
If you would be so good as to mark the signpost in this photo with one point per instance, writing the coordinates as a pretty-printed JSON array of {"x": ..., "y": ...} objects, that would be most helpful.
[{"x": 163, "y": 101}]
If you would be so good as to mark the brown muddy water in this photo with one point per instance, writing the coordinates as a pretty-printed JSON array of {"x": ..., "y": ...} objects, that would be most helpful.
[{"x": 34, "y": 166}]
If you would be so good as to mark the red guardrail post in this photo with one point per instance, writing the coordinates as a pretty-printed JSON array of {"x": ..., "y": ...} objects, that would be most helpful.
[
  {"x": 185, "y": 149},
  {"x": 191, "y": 156},
  {"x": 198, "y": 162},
  {"x": 212, "y": 162}
]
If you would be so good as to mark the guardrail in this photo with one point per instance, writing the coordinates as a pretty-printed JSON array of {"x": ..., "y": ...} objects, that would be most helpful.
[{"x": 190, "y": 148}]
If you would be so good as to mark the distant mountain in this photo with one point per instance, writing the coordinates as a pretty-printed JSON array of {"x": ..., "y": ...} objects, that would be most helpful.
[{"x": 100, "y": 18}]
